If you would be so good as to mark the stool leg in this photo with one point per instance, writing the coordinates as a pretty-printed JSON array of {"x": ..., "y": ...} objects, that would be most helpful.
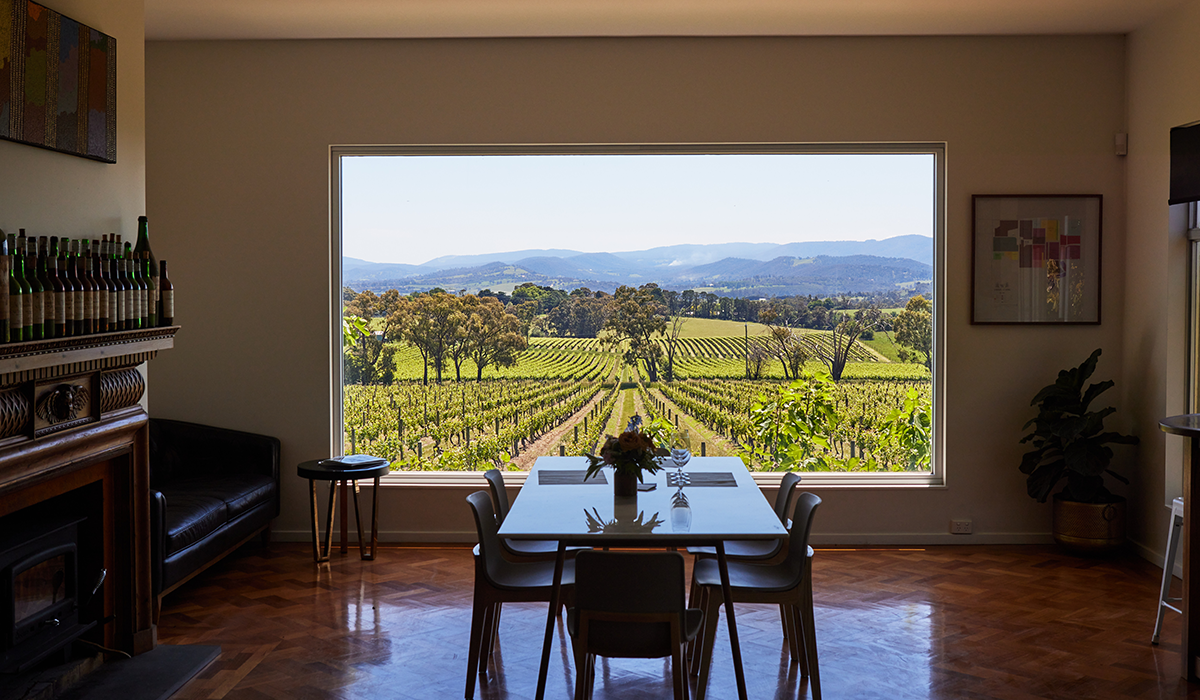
[
  {"x": 318, "y": 555},
  {"x": 1168, "y": 573},
  {"x": 375, "y": 518},
  {"x": 329, "y": 521},
  {"x": 362, "y": 552}
]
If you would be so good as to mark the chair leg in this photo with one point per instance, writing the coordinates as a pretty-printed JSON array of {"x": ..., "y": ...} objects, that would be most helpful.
[
  {"x": 808, "y": 623},
  {"x": 487, "y": 638},
  {"x": 678, "y": 675},
  {"x": 478, "y": 610},
  {"x": 693, "y": 651},
  {"x": 790, "y": 633},
  {"x": 801, "y": 649},
  {"x": 711, "y": 613}
]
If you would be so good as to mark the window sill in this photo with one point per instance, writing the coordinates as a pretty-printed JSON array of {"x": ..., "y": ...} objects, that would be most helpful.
[{"x": 770, "y": 480}]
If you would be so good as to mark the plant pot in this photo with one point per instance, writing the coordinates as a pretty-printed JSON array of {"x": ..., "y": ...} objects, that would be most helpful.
[
  {"x": 1092, "y": 528},
  {"x": 624, "y": 484}
]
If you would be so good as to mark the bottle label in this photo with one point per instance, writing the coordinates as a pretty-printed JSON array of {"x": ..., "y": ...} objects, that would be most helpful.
[
  {"x": 102, "y": 304},
  {"x": 89, "y": 305},
  {"x": 48, "y": 301},
  {"x": 129, "y": 304},
  {"x": 38, "y": 304},
  {"x": 114, "y": 312},
  {"x": 27, "y": 310},
  {"x": 68, "y": 306},
  {"x": 78, "y": 305},
  {"x": 168, "y": 305},
  {"x": 122, "y": 306},
  {"x": 60, "y": 307},
  {"x": 14, "y": 313}
]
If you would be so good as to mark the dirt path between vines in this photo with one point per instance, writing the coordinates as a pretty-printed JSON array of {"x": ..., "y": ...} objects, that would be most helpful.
[{"x": 547, "y": 443}]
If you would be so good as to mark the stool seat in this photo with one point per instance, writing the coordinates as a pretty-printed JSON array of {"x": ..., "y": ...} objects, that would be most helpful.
[
  {"x": 1164, "y": 599},
  {"x": 352, "y": 469}
]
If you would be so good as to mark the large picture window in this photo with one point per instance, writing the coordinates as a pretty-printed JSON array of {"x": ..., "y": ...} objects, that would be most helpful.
[{"x": 783, "y": 302}]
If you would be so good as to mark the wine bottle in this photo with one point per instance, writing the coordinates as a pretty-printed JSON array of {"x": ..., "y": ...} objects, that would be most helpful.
[
  {"x": 102, "y": 286},
  {"x": 166, "y": 316},
  {"x": 90, "y": 290},
  {"x": 16, "y": 303},
  {"x": 69, "y": 287},
  {"x": 139, "y": 285},
  {"x": 59, "y": 293},
  {"x": 151, "y": 290},
  {"x": 120, "y": 297},
  {"x": 151, "y": 278},
  {"x": 43, "y": 274},
  {"x": 37, "y": 304},
  {"x": 4, "y": 312},
  {"x": 26, "y": 289},
  {"x": 79, "y": 298}
]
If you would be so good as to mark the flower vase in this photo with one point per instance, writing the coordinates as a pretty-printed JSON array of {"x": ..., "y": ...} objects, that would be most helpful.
[{"x": 624, "y": 484}]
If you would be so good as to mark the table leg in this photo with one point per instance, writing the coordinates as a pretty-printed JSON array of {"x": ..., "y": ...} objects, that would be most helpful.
[
  {"x": 734, "y": 646},
  {"x": 345, "y": 518},
  {"x": 550, "y": 616},
  {"x": 1190, "y": 642}
]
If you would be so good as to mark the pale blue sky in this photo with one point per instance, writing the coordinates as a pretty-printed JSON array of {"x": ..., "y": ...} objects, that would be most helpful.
[{"x": 411, "y": 209}]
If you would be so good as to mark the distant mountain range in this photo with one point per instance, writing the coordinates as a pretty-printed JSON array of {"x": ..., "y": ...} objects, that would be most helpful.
[{"x": 730, "y": 269}]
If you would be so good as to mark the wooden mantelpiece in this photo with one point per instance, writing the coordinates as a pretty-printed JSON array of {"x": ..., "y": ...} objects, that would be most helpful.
[{"x": 69, "y": 418}]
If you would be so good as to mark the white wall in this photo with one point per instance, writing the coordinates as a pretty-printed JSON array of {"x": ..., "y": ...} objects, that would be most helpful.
[
  {"x": 54, "y": 194},
  {"x": 1163, "y": 70},
  {"x": 238, "y": 136}
]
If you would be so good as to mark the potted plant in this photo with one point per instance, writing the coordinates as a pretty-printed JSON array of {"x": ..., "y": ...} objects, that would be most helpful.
[
  {"x": 1069, "y": 441},
  {"x": 630, "y": 454}
]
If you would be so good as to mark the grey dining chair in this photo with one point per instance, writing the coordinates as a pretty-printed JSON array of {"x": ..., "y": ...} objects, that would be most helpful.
[
  {"x": 788, "y": 583},
  {"x": 630, "y": 605},
  {"x": 519, "y": 550},
  {"x": 499, "y": 581}
]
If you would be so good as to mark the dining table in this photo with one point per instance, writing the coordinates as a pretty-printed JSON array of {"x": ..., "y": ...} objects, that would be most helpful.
[{"x": 708, "y": 501}]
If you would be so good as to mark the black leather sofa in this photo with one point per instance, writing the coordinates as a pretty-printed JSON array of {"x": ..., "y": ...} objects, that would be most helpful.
[{"x": 211, "y": 490}]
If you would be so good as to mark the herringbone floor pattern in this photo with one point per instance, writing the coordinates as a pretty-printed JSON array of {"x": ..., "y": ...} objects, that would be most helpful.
[{"x": 961, "y": 622}]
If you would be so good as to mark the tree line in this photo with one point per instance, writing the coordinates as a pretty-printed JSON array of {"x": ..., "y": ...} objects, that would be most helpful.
[{"x": 492, "y": 329}]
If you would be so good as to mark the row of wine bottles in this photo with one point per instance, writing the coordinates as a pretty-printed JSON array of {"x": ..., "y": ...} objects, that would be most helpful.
[{"x": 60, "y": 287}]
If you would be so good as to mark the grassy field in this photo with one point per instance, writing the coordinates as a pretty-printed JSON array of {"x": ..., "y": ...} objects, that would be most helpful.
[{"x": 716, "y": 328}]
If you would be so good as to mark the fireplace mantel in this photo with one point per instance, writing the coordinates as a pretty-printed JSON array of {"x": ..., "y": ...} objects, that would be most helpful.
[{"x": 70, "y": 416}]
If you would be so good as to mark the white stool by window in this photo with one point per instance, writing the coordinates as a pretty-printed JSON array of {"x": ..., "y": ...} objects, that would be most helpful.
[{"x": 1169, "y": 567}]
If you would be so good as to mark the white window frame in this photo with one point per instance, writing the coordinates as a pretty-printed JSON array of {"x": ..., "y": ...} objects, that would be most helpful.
[{"x": 935, "y": 478}]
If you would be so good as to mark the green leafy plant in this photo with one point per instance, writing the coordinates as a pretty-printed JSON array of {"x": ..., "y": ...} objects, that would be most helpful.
[
  {"x": 792, "y": 427},
  {"x": 912, "y": 427},
  {"x": 1070, "y": 441}
]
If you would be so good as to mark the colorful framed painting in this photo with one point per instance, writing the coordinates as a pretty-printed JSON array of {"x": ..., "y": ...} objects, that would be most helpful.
[
  {"x": 1036, "y": 258},
  {"x": 58, "y": 82}
]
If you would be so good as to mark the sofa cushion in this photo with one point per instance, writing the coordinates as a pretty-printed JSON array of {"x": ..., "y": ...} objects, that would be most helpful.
[
  {"x": 241, "y": 492},
  {"x": 191, "y": 515}
]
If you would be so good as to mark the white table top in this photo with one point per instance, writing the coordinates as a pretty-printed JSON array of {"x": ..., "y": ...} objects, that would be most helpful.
[{"x": 561, "y": 512}]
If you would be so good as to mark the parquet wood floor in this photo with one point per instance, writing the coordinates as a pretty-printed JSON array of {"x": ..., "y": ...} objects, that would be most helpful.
[{"x": 961, "y": 622}]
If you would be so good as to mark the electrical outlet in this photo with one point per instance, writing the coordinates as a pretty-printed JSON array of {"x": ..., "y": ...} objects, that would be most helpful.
[{"x": 960, "y": 527}]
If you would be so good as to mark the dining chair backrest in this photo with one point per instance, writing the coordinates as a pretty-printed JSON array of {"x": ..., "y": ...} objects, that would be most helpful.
[
  {"x": 499, "y": 495},
  {"x": 630, "y": 582},
  {"x": 783, "y": 499},
  {"x": 489, "y": 541},
  {"x": 802, "y": 519}
]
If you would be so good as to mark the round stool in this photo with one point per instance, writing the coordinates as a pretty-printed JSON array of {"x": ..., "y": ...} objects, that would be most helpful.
[{"x": 334, "y": 472}]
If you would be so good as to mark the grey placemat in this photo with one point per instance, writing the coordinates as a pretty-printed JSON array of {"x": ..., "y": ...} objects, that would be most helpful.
[
  {"x": 569, "y": 477},
  {"x": 702, "y": 479}
]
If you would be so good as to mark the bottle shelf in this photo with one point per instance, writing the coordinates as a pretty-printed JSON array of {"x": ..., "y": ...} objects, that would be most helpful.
[{"x": 105, "y": 348}]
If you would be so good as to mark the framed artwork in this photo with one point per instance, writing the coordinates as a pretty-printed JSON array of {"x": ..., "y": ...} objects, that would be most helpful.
[
  {"x": 58, "y": 82},
  {"x": 1036, "y": 258}
]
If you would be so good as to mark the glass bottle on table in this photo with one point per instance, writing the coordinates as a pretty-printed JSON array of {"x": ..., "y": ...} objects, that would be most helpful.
[
  {"x": 18, "y": 266},
  {"x": 37, "y": 305},
  {"x": 151, "y": 290},
  {"x": 43, "y": 274},
  {"x": 70, "y": 287},
  {"x": 4, "y": 290},
  {"x": 150, "y": 273}
]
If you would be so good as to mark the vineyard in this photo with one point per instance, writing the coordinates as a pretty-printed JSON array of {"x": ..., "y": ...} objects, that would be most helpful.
[{"x": 565, "y": 394}]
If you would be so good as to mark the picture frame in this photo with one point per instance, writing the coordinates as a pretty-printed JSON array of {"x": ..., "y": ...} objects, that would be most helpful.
[
  {"x": 58, "y": 82},
  {"x": 1036, "y": 258}
]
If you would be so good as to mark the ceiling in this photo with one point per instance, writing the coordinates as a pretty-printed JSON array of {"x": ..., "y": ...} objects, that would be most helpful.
[{"x": 327, "y": 19}]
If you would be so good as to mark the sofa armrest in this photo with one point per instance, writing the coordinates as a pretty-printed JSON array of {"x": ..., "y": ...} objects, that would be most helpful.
[
  {"x": 158, "y": 539},
  {"x": 179, "y": 450}
]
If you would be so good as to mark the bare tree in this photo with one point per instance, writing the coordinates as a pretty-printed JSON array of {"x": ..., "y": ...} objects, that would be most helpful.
[
  {"x": 671, "y": 343},
  {"x": 846, "y": 330}
]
